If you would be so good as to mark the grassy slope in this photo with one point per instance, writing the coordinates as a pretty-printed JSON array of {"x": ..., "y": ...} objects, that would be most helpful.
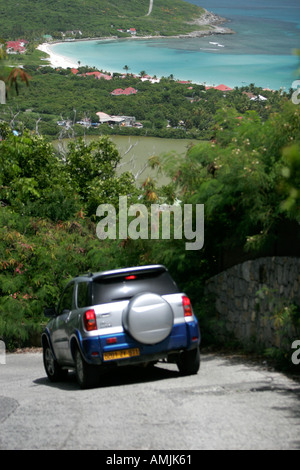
[{"x": 93, "y": 17}]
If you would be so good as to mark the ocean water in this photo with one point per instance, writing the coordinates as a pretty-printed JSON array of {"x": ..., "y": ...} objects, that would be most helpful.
[{"x": 260, "y": 52}]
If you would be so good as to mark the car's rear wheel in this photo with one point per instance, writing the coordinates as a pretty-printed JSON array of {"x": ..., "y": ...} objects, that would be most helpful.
[
  {"x": 188, "y": 362},
  {"x": 86, "y": 374},
  {"x": 52, "y": 368}
]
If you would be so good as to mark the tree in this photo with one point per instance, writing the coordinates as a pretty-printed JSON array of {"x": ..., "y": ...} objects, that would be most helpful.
[
  {"x": 248, "y": 182},
  {"x": 15, "y": 75},
  {"x": 290, "y": 184},
  {"x": 92, "y": 169},
  {"x": 32, "y": 180}
]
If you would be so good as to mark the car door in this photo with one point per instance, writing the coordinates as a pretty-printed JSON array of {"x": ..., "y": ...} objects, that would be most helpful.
[
  {"x": 60, "y": 337},
  {"x": 80, "y": 299}
]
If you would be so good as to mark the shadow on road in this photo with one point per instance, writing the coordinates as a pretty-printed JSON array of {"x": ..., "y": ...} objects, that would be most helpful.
[
  {"x": 115, "y": 377},
  {"x": 269, "y": 383}
]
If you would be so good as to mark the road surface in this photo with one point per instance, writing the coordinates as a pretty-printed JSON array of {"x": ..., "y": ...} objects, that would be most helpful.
[
  {"x": 150, "y": 8},
  {"x": 230, "y": 404}
]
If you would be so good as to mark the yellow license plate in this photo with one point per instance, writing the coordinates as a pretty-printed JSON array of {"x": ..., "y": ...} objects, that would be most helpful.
[{"x": 122, "y": 354}]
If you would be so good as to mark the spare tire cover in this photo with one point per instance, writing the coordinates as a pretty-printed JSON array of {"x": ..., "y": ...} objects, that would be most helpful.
[{"x": 148, "y": 318}]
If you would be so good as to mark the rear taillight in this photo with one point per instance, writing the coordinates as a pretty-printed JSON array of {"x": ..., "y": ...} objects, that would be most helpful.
[
  {"x": 89, "y": 320},
  {"x": 187, "y": 306}
]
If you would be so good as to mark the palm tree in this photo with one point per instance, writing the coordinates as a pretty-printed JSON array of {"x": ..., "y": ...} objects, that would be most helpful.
[{"x": 16, "y": 73}]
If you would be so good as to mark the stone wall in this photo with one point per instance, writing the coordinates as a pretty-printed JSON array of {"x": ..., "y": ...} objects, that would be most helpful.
[{"x": 247, "y": 295}]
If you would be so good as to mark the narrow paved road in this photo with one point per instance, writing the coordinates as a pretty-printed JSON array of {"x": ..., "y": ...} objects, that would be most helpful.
[
  {"x": 228, "y": 405},
  {"x": 150, "y": 8}
]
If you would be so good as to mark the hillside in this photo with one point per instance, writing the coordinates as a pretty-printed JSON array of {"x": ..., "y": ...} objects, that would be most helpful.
[
  {"x": 166, "y": 108},
  {"x": 34, "y": 18}
]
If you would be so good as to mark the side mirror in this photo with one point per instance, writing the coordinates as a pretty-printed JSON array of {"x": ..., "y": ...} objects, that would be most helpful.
[{"x": 50, "y": 312}]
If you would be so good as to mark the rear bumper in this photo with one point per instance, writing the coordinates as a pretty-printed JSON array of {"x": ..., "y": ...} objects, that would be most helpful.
[{"x": 184, "y": 336}]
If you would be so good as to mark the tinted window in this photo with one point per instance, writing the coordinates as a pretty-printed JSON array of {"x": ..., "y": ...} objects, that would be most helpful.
[
  {"x": 66, "y": 301},
  {"x": 83, "y": 294},
  {"x": 120, "y": 288}
]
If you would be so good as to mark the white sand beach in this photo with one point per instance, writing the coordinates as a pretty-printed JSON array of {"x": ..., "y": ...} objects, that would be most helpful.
[{"x": 57, "y": 60}]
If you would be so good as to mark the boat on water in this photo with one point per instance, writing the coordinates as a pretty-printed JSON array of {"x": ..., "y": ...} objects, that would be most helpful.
[{"x": 216, "y": 44}]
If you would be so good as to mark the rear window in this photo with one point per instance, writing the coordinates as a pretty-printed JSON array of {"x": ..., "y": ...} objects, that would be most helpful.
[{"x": 127, "y": 286}]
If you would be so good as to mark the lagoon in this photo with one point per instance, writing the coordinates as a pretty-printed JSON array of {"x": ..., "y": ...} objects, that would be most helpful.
[{"x": 135, "y": 152}]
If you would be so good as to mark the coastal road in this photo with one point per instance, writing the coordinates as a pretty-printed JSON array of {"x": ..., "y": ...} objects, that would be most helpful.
[
  {"x": 230, "y": 404},
  {"x": 150, "y": 8}
]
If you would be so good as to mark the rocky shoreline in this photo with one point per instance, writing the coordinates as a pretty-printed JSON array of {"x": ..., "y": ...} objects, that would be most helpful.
[
  {"x": 212, "y": 21},
  {"x": 209, "y": 19}
]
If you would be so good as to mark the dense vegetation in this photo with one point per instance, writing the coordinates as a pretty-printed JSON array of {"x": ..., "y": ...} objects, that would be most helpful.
[
  {"x": 48, "y": 205},
  {"x": 187, "y": 109},
  {"x": 32, "y": 19},
  {"x": 248, "y": 181}
]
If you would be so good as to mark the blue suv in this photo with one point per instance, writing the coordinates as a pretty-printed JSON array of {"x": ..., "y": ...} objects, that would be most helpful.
[{"x": 120, "y": 317}]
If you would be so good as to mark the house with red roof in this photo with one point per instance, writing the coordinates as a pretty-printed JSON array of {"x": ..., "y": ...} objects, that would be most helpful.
[
  {"x": 96, "y": 74},
  {"x": 117, "y": 92},
  {"x": 127, "y": 91},
  {"x": 132, "y": 31},
  {"x": 223, "y": 88},
  {"x": 99, "y": 75},
  {"x": 14, "y": 47},
  {"x": 219, "y": 87},
  {"x": 105, "y": 76}
]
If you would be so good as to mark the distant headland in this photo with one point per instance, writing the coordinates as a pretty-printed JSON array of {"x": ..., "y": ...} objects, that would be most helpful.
[{"x": 105, "y": 18}]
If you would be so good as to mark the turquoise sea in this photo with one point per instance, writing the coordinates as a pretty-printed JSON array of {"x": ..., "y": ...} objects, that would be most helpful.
[{"x": 261, "y": 51}]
